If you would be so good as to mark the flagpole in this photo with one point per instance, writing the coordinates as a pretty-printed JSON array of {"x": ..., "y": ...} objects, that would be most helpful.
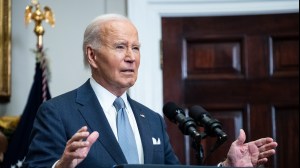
[{"x": 38, "y": 16}]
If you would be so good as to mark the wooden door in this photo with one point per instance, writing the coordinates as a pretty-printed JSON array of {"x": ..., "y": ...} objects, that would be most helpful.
[{"x": 244, "y": 70}]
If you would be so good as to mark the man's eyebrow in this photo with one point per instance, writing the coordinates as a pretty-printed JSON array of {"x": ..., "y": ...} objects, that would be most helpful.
[
  {"x": 120, "y": 42},
  {"x": 126, "y": 43}
]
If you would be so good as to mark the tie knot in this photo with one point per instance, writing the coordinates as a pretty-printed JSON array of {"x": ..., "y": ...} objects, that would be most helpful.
[{"x": 119, "y": 103}]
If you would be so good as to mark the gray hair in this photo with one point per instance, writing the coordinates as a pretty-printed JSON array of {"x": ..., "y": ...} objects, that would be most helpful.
[{"x": 93, "y": 32}]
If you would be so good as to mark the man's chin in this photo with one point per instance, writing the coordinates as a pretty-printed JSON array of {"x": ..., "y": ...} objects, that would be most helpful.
[{"x": 129, "y": 84}]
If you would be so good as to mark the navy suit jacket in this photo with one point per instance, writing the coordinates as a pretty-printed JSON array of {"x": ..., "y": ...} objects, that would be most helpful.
[{"x": 59, "y": 118}]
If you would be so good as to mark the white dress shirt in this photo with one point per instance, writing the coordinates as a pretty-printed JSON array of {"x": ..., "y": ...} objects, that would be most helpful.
[{"x": 106, "y": 100}]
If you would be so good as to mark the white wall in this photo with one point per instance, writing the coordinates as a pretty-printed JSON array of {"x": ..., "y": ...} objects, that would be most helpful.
[{"x": 63, "y": 44}]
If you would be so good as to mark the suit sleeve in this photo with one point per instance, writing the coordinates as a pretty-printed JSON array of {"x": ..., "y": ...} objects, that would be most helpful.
[{"x": 47, "y": 138}]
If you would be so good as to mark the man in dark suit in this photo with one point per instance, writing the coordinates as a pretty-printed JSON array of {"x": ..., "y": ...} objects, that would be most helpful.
[{"x": 81, "y": 128}]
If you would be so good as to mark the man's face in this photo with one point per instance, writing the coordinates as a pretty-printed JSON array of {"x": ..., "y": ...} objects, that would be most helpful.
[{"x": 117, "y": 61}]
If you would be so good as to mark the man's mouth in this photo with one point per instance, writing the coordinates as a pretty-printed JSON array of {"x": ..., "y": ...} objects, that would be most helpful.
[{"x": 127, "y": 70}]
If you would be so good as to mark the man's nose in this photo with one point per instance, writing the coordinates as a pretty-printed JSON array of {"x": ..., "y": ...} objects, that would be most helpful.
[{"x": 130, "y": 55}]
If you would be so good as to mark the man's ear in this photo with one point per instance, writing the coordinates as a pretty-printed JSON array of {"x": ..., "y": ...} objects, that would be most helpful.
[{"x": 91, "y": 56}]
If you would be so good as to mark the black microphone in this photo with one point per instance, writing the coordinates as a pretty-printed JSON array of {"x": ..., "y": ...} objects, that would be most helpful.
[
  {"x": 176, "y": 115},
  {"x": 212, "y": 126}
]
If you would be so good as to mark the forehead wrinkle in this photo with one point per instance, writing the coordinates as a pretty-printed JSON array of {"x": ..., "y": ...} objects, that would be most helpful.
[{"x": 113, "y": 30}]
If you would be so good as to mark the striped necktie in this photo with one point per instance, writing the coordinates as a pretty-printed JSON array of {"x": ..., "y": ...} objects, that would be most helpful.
[{"x": 125, "y": 133}]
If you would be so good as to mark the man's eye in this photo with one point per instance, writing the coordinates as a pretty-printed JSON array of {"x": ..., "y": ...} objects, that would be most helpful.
[
  {"x": 136, "y": 48},
  {"x": 120, "y": 47}
]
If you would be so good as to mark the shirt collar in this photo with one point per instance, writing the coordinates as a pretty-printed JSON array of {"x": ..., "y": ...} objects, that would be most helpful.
[{"x": 105, "y": 97}]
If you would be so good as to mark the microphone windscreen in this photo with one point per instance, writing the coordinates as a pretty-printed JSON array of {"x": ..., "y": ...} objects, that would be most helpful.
[
  {"x": 197, "y": 112},
  {"x": 169, "y": 110}
]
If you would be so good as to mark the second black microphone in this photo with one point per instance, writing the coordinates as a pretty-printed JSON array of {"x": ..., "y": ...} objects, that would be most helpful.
[{"x": 212, "y": 126}]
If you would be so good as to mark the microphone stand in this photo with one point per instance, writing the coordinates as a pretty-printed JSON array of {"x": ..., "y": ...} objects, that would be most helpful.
[
  {"x": 198, "y": 147},
  {"x": 188, "y": 127}
]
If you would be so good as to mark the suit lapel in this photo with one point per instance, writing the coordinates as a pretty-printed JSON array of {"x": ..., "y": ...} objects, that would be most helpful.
[
  {"x": 92, "y": 112},
  {"x": 144, "y": 127}
]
